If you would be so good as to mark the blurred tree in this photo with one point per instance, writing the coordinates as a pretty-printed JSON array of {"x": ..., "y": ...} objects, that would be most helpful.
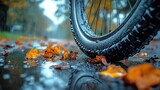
[
  {"x": 25, "y": 13},
  {"x": 64, "y": 28},
  {"x": 3, "y": 16},
  {"x": 63, "y": 9}
]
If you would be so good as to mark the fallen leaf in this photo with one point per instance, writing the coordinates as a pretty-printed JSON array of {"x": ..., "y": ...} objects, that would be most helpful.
[
  {"x": 73, "y": 55},
  {"x": 43, "y": 43},
  {"x": 65, "y": 55},
  {"x": 32, "y": 54},
  {"x": 144, "y": 76},
  {"x": 98, "y": 59},
  {"x": 1, "y": 45},
  {"x": 61, "y": 66},
  {"x": 114, "y": 71},
  {"x": 8, "y": 47},
  {"x": 18, "y": 42},
  {"x": 4, "y": 53},
  {"x": 29, "y": 44},
  {"x": 4, "y": 40},
  {"x": 56, "y": 50},
  {"x": 48, "y": 52}
]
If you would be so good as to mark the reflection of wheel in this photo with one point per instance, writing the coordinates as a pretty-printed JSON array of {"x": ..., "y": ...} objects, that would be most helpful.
[
  {"x": 86, "y": 81},
  {"x": 115, "y": 41}
]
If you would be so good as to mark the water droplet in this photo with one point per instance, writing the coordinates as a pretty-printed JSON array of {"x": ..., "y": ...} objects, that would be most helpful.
[
  {"x": 30, "y": 80},
  {"x": 47, "y": 73},
  {"x": 23, "y": 75},
  {"x": 6, "y": 76},
  {"x": 24, "y": 61},
  {"x": 6, "y": 67},
  {"x": 1, "y": 64},
  {"x": 97, "y": 41},
  {"x": 74, "y": 67},
  {"x": 26, "y": 66},
  {"x": 22, "y": 50},
  {"x": 1, "y": 60}
]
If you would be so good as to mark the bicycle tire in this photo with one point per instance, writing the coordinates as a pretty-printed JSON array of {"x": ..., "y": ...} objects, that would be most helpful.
[{"x": 129, "y": 38}]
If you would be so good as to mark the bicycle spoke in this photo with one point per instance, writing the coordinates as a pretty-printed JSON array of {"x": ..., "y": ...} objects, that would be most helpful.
[
  {"x": 129, "y": 4},
  {"x": 96, "y": 14},
  {"x": 87, "y": 4},
  {"x": 90, "y": 11},
  {"x": 110, "y": 25},
  {"x": 118, "y": 19},
  {"x": 97, "y": 17},
  {"x": 96, "y": 22},
  {"x": 103, "y": 16}
]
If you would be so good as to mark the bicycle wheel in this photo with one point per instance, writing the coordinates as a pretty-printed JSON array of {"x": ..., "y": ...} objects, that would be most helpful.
[{"x": 99, "y": 29}]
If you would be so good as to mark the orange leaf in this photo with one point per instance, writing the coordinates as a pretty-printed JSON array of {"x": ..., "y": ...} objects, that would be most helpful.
[
  {"x": 56, "y": 50},
  {"x": 19, "y": 42},
  {"x": 144, "y": 76},
  {"x": 32, "y": 54},
  {"x": 65, "y": 55},
  {"x": 114, "y": 71},
  {"x": 74, "y": 55}
]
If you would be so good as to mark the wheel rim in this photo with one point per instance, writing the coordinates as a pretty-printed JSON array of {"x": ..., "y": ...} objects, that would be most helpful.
[{"x": 106, "y": 16}]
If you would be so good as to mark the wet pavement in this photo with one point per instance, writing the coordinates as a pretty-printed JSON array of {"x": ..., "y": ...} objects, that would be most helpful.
[{"x": 15, "y": 74}]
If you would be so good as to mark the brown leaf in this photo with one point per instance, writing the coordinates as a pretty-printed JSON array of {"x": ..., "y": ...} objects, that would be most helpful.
[
  {"x": 8, "y": 47},
  {"x": 65, "y": 55},
  {"x": 61, "y": 66},
  {"x": 1, "y": 45},
  {"x": 48, "y": 55},
  {"x": 29, "y": 44},
  {"x": 4, "y": 40},
  {"x": 98, "y": 59},
  {"x": 74, "y": 55},
  {"x": 18, "y": 42},
  {"x": 56, "y": 50},
  {"x": 4, "y": 53}
]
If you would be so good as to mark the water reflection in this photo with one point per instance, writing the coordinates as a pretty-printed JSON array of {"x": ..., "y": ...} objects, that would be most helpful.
[
  {"x": 48, "y": 79},
  {"x": 6, "y": 76}
]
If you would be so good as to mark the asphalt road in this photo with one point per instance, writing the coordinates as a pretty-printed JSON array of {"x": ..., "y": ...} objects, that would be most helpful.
[{"x": 15, "y": 74}]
